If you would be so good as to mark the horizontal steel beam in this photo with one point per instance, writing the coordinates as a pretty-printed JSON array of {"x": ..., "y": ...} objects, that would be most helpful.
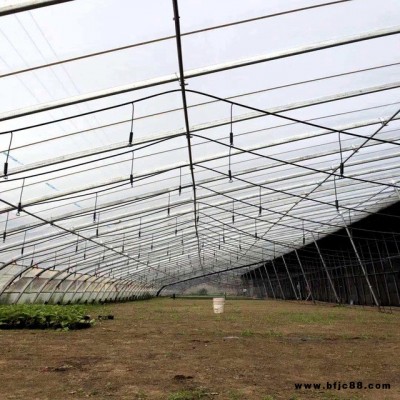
[
  {"x": 210, "y": 180},
  {"x": 197, "y": 128},
  {"x": 164, "y": 38},
  {"x": 199, "y": 72},
  {"x": 197, "y": 161},
  {"x": 28, "y": 5},
  {"x": 121, "y": 216}
]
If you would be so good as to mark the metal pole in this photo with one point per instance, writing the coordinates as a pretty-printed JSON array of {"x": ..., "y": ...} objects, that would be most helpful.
[
  {"x": 255, "y": 282},
  {"x": 186, "y": 115},
  {"x": 360, "y": 262},
  {"x": 103, "y": 150},
  {"x": 262, "y": 280},
  {"x": 383, "y": 273},
  {"x": 251, "y": 289},
  {"x": 304, "y": 275},
  {"x": 290, "y": 278},
  {"x": 319, "y": 281},
  {"x": 202, "y": 71},
  {"x": 327, "y": 272},
  {"x": 345, "y": 280},
  {"x": 28, "y": 5},
  {"x": 391, "y": 267},
  {"x": 336, "y": 275},
  {"x": 373, "y": 274},
  {"x": 269, "y": 281},
  {"x": 277, "y": 277}
]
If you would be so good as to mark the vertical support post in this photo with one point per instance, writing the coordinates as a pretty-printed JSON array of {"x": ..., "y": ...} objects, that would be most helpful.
[
  {"x": 247, "y": 275},
  {"x": 360, "y": 292},
  {"x": 314, "y": 278},
  {"x": 360, "y": 262},
  {"x": 389, "y": 300},
  {"x": 327, "y": 272},
  {"x": 262, "y": 280},
  {"x": 290, "y": 278},
  {"x": 254, "y": 282},
  {"x": 336, "y": 276},
  {"x": 342, "y": 291},
  {"x": 346, "y": 279},
  {"x": 304, "y": 276},
  {"x": 250, "y": 283},
  {"x": 258, "y": 283},
  {"x": 279, "y": 282},
  {"x": 186, "y": 115},
  {"x": 319, "y": 280},
  {"x": 373, "y": 275},
  {"x": 380, "y": 292},
  {"x": 269, "y": 281},
  {"x": 391, "y": 267}
]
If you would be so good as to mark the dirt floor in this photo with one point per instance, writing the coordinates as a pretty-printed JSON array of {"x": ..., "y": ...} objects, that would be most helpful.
[{"x": 179, "y": 350}]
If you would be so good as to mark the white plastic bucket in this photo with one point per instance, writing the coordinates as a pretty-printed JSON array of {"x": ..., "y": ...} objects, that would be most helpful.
[{"x": 218, "y": 304}]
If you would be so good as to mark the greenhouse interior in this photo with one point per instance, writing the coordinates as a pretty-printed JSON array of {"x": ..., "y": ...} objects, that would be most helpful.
[
  {"x": 250, "y": 146},
  {"x": 211, "y": 187}
]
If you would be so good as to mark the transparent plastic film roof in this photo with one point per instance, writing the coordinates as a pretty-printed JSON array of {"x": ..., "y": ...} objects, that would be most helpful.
[{"x": 143, "y": 144}]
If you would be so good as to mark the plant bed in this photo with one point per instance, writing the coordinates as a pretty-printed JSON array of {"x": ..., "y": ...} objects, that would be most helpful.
[{"x": 37, "y": 316}]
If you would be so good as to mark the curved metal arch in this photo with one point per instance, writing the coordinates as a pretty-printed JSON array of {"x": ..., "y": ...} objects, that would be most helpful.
[
  {"x": 102, "y": 284},
  {"x": 68, "y": 274},
  {"x": 245, "y": 117},
  {"x": 28, "y": 5},
  {"x": 200, "y": 72},
  {"x": 180, "y": 203},
  {"x": 24, "y": 271},
  {"x": 96, "y": 279},
  {"x": 82, "y": 282},
  {"x": 15, "y": 276},
  {"x": 73, "y": 232}
]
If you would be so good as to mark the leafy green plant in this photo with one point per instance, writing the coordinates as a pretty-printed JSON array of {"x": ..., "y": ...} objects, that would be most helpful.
[
  {"x": 247, "y": 332},
  {"x": 38, "y": 316}
]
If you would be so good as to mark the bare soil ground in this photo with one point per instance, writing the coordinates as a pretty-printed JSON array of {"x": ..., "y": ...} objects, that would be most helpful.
[{"x": 179, "y": 350}]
